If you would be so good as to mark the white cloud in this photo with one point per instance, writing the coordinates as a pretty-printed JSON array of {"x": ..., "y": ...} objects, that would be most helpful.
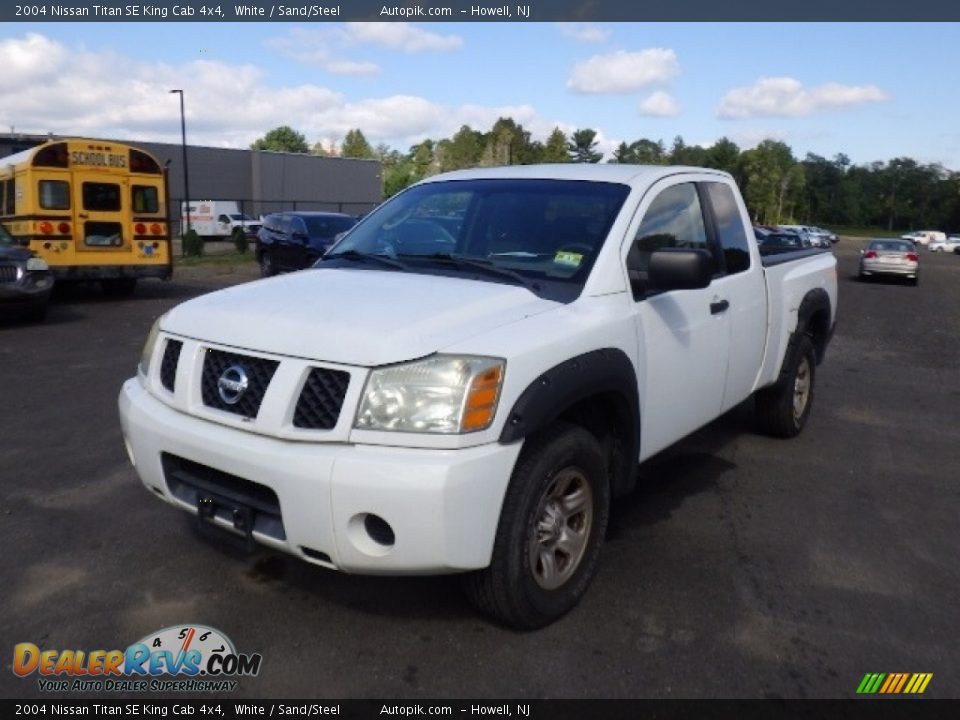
[
  {"x": 400, "y": 36},
  {"x": 28, "y": 58},
  {"x": 351, "y": 67},
  {"x": 659, "y": 104},
  {"x": 624, "y": 72},
  {"x": 313, "y": 47},
  {"x": 584, "y": 32},
  {"x": 101, "y": 94},
  {"x": 786, "y": 97}
]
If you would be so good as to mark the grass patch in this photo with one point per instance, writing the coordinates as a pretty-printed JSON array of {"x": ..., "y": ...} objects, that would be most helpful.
[
  {"x": 866, "y": 232},
  {"x": 231, "y": 259}
]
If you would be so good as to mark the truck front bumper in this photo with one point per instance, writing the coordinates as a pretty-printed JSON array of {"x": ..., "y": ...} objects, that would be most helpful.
[{"x": 356, "y": 508}]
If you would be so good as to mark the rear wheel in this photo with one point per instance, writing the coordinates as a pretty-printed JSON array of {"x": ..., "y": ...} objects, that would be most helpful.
[
  {"x": 551, "y": 529},
  {"x": 783, "y": 409}
]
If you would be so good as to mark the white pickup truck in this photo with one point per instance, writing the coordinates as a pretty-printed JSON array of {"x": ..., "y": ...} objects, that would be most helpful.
[{"x": 468, "y": 379}]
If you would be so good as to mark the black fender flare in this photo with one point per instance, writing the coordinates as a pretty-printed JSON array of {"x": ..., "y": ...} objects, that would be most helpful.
[
  {"x": 607, "y": 371},
  {"x": 815, "y": 301}
]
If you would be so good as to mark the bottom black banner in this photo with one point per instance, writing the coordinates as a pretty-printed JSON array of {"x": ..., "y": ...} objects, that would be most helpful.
[{"x": 874, "y": 709}]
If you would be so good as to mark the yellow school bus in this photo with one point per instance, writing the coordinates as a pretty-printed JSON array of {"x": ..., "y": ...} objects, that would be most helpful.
[{"x": 93, "y": 210}]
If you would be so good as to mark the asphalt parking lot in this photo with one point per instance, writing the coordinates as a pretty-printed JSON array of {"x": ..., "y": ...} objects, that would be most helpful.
[{"x": 743, "y": 567}]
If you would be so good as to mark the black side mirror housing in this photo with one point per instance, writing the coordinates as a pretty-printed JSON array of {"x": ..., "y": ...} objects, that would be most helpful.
[{"x": 679, "y": 269}]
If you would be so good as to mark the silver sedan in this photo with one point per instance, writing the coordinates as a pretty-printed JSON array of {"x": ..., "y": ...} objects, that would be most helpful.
[{"x": 890, "y": 257}]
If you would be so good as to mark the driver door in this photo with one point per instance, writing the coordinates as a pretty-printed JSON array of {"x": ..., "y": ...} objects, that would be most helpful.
[{"x": 682, "y": 335}]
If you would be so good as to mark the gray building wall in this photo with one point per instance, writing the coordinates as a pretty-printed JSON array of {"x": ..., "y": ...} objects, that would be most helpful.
[{"x": 262, "y": 182}]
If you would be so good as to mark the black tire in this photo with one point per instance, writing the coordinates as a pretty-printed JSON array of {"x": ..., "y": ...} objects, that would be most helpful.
[
  {"x": 915, "y": 281},
  {"x": 119, "y": 287},
  {"x": 267, "y": 266},
  {"x": 518, "y": 589},
  {"x": 783, "y": 408}
]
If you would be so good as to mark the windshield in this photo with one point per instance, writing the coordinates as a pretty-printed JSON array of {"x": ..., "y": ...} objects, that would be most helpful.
[
  {"x": 238, "y": 216},
  {"x": 544, "y": 234},
  {"x": 890, "y": 246},
  {"x": 328, "y": 227}
]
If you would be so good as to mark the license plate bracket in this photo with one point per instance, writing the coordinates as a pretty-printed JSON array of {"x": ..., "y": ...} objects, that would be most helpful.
[{"x": 211, "y": 507}]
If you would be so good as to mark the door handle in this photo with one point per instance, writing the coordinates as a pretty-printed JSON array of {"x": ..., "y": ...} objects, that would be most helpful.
[{"x": 719, "y": 306}]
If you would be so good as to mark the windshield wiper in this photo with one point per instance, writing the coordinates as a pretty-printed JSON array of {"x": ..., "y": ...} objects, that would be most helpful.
[
  {"x": 363, "y": 257},
  {"x": 461, "y": 262}
]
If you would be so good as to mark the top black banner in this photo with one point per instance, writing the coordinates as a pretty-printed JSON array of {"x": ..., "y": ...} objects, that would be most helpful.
[{"x": 488, "y": 11}]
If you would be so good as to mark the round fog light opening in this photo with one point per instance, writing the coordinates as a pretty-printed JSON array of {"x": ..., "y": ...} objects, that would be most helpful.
[{"x": 379, "y": 530}]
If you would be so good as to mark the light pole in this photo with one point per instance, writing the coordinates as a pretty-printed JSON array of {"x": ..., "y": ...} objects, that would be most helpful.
[{"x": 186, "y": 174}]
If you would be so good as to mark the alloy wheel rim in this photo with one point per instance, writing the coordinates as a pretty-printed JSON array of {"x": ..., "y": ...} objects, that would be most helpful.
[{"x": 560, "y": 534}]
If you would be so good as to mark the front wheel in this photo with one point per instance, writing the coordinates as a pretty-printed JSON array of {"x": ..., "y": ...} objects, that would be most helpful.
[
  {"x": 551, "y": 529},
  {"x": 267, "y": 266},
  {"x": 783, "y": 408}
]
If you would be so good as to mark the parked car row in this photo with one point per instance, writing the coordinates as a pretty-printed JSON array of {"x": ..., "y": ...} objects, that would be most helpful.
[{"x": 772, "y": 237}]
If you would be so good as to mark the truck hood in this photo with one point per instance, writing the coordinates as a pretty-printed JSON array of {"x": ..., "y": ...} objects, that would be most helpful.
[{"x": 353, "y": 317}]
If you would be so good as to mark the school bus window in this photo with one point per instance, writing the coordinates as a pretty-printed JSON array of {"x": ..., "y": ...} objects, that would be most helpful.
[
  {"x": 54, "y": 195},
  {"x": 104, "y": 197},
  {"x": 10, "y": 198},
  {"x": 145, "y": 199}
]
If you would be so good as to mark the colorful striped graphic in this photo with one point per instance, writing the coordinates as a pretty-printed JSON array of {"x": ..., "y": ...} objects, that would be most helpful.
[{"x": 894, "y": 683}]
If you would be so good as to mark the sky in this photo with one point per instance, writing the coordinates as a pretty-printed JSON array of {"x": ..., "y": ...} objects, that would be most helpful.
[{"x": 871, "y": 91}]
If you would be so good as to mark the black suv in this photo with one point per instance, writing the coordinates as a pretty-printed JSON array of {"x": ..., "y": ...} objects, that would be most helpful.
[
  {"x": 296, "y": 240},
  {"x": 25, "y": 280}
]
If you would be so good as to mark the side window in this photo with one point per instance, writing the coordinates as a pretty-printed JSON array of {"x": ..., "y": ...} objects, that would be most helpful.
[
  {"x": 54, "y": 195},
  {"x": 733, "y": 239},
  {"x": 673, "y": 220},
  {"x": 145, "y": 199},
  {"x": 9, "y": 197},
  {"x": 223, "y": 219}
]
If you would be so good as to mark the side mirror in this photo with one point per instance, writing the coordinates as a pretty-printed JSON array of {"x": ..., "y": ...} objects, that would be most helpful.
[{"x": 679, "y": 269}]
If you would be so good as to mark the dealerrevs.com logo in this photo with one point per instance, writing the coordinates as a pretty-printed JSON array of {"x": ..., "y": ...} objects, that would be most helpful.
[{"x": 184, "y": 658}]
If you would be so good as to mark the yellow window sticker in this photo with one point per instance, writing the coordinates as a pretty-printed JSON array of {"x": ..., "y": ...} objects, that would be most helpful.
[{"x": 570, "y": 259}]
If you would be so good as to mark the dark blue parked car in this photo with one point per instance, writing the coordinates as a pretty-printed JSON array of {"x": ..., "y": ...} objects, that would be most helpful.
[{"x": 295, "y": 240}]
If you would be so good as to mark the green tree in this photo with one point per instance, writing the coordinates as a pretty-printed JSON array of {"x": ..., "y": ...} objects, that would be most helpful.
[
  {"x": 355, "y": 145},
  {"x": 623, "y": 155},
  {"x": 583, "y": 146},
  {"x": 508, "y": 143},
  {"x": 282, "y": 139},
  {"x": 769, "y": 181},
  {"x": 463, "y": 150},
  {"x": 555, "y": 149},
  {"x": 724, "y": 154}
]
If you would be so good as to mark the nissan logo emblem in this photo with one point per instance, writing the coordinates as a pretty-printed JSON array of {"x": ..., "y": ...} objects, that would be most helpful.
[{"x": 233, "y": 384}]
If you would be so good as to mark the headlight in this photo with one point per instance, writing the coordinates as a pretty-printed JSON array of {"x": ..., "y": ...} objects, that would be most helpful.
[
  {"x": 36, "y": 263},
  {"x": 149, "y": 345},
  {"x": 442, "y": 394}
]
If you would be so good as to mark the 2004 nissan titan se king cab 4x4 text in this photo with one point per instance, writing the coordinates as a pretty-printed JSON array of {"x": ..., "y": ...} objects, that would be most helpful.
[{"x": 469, "y": 378}]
